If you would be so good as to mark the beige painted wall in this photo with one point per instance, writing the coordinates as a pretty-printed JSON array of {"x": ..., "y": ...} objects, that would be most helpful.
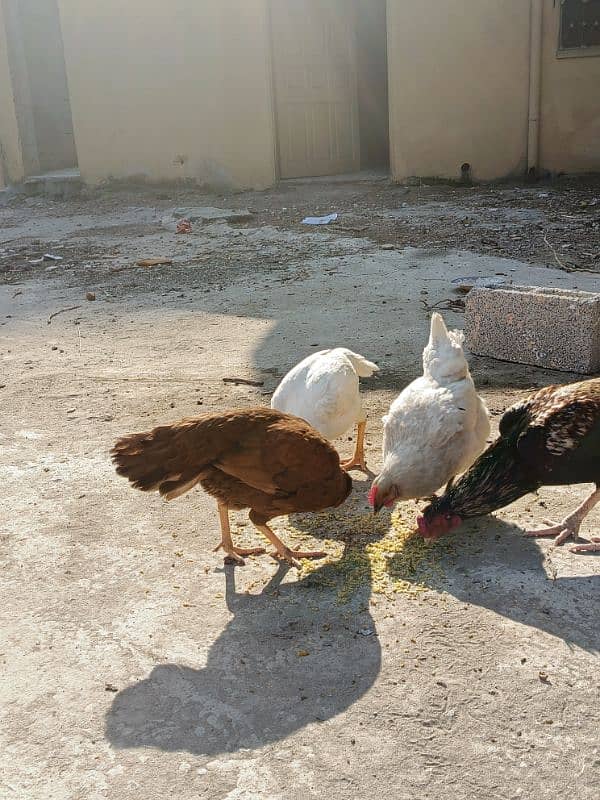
[
  {"x": 458, "y": 86},
  {"x": 183, "y": 90},
  {"x": 171, "y": 90},
  {"x": 11, "y": 162},
  {"x": 41, "y": 40},
  {"x": 570, "y": 114},
  {"x": 372, "y": 83}
]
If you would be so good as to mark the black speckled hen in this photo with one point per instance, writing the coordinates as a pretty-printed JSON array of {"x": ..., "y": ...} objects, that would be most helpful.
[{"x": 552, "y": 438}]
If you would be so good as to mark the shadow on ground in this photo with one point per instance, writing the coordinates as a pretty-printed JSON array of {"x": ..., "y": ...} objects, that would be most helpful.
[
  {"x": 499, "y": 569},
  {"x": 294, "y": 655},
  {"x": 287, "y": 659},
  {"x": 488, "y": 563}
]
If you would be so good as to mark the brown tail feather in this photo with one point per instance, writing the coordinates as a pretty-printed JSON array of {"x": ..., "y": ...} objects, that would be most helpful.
[{"x": 156, "y": 461}]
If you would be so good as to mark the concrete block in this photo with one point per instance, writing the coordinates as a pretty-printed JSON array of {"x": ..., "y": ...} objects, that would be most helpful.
[{"x": 552, "y": 328}]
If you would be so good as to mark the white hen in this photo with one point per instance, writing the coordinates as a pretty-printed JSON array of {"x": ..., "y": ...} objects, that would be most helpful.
[
  {"x": 435, "y": 428},
  {"x": 323, "y": 390}
]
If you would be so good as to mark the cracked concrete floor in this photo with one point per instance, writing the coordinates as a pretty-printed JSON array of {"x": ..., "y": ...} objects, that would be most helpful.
[{"x": 135, "y": 666}]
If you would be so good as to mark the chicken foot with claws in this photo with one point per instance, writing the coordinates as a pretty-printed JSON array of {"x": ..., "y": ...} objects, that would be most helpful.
[
  {"x": 233, "y": 553},
  {"x": 281, "y": 550},
  {"x": 570, "y": 527}
]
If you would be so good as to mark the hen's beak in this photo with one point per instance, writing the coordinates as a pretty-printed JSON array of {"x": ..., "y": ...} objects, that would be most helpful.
[{"x": 377, "y": 506}]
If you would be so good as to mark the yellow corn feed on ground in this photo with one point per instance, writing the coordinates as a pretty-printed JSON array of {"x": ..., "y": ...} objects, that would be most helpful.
[{"x": 382, "y": 552}]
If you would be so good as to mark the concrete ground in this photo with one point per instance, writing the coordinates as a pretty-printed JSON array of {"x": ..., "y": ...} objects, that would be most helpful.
[{"x": 134, "y": 664}]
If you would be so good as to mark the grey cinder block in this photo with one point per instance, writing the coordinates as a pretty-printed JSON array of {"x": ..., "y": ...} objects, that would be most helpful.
[{"x": 552, "y": 328}]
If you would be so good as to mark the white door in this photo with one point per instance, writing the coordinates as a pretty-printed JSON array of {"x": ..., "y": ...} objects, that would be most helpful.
[{"x": 316, "y": 96}]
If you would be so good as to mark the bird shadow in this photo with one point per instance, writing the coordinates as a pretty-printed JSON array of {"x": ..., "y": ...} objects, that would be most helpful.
[
  {"x": 492, "y": 565},
  {"x": 300, "y": 653},
  {"x": 288, "y": 658},
  {"x": 489, "y": 563}
]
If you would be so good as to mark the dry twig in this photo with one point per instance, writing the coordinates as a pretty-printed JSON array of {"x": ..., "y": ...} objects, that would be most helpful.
[
  {"x": 62, "y": 311},
  {"x": 243, "y": 381},
  {"x": 555, "y": 254},
  {"x": 449, "y": 304}
]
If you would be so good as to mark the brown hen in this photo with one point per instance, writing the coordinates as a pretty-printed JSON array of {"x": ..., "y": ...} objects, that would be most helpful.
[{"x": 258, "y": 458}]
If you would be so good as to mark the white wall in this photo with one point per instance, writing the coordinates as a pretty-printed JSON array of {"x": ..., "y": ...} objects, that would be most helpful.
[
  {"x": 39, "y": 29},
  {"x": 171, "y": 90},
  {"x": 11, "y": 160},
  {"x": 458, "y": 87},
  {"x": 570, "y": 113}
]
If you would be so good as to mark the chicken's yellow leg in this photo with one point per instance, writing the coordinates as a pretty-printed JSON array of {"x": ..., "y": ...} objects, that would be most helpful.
[
  {"x": 235, "y": 553},
  {"x": 281, "y": 551},
  {"x": 358, "y": 459}
]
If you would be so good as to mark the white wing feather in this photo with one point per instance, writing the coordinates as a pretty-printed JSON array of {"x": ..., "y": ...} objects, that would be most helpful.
[{"x": 323, "y": 389}]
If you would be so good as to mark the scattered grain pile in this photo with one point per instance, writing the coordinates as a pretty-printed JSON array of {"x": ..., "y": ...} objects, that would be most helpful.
[{"x": 364, "y": 550}]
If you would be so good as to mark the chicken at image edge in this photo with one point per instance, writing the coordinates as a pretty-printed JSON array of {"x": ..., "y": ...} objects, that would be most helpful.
[
  {"x": 324, "y": 390},
  {"x": 551, "y": 438},
  {"x": 258, "y": 458},
  {"x": 435, "y": 428}
]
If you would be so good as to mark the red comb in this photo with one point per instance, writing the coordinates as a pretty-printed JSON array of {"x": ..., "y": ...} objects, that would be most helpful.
[{"x": 372, "y": 495}]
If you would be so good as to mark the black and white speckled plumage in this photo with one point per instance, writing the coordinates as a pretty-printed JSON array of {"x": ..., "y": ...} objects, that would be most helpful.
[{"x": 551, "y": 438}]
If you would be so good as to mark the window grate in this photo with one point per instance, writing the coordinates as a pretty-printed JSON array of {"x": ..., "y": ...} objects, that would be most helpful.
[{"x": 579, "y": 24}]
